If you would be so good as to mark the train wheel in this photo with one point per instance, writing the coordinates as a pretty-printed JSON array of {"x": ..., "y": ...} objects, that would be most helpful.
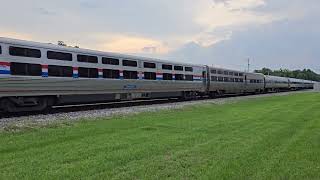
[
  {"x": 12, "y": 105},
  {"x": 8, "y": 106}
]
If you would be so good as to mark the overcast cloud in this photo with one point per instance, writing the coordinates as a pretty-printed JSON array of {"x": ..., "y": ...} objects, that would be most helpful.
[{"x": 272, "y": 33}]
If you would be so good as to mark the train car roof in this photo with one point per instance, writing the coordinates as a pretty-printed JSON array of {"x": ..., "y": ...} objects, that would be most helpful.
[
  {"x": 276, "y": 77},
  {"x": 87, "y": 51}
]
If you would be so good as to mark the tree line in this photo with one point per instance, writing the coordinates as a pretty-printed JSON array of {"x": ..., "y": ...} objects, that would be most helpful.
[{"x": 306, "y": 74}]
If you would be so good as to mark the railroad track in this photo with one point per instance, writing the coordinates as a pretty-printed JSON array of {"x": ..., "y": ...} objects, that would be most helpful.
[
  {"x": 108, "y": 105},
  {"x": 88, "y": 107}
]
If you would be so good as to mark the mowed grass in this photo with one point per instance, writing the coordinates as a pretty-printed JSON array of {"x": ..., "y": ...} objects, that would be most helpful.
[{"x": 266, "y": 138}]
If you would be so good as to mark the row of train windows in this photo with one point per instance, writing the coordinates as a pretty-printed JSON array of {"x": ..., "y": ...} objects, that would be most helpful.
[
  {"x": 65, "y": 71},
  {"x": 253, "y": 81},
  {"x": 35, "y": 53},
  {"x": 225, "y": 79},
  {"x": 228, "y": 73}
]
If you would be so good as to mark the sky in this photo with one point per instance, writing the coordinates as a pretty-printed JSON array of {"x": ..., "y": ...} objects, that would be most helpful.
[{"x": 224, "y": 33}]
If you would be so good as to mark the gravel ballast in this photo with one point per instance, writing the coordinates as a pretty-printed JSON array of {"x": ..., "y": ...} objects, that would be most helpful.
[{"x": 42, "y": 120}]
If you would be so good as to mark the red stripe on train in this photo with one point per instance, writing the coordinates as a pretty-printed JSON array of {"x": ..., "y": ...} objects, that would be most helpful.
[{"x": 5, "y": 63}]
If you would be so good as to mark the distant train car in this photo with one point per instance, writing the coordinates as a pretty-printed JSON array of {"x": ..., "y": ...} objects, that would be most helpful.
[
  {"x": 254, "y": 83},
  {"x": 297, "y": 84},
  {"x": 226, "y": 81},
  {"x": 274, "y": 83},
  {"x": 34, "y": 76}
]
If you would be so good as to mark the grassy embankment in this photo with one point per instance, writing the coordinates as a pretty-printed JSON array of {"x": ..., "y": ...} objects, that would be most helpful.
[{"x": 267, "y": 138}]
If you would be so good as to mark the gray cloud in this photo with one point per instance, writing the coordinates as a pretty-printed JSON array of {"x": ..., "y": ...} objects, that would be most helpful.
[{"x": 289, "y": 42}]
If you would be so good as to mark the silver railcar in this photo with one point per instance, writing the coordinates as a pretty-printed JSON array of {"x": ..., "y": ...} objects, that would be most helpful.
[
  {"x": 274, "y": 83},
  {"x": 36, "y": 75}
]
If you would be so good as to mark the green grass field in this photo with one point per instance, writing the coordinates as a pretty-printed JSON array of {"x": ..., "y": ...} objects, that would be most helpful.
[{"x": 266, "y": 138}]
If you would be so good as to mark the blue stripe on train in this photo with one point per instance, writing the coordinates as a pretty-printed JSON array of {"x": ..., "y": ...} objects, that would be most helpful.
[
  {"x": 45, "y": 74},
  {"x": 5, "y": 72}
]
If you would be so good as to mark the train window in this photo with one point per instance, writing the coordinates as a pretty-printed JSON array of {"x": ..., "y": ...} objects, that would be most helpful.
[
  {"x": 111, "y": 61},
  {"x": 150, "y": 75},
  {"x": 220, "y": 79},
  {"x": 24, "y": 69},
  {"x": 214, "y": 78},
  {"x": 230, "y": 73},
  {"x": 189, "y": 77},
  {"x": 111, "y": 74},
  {"x": 130, "y": 63},
  {"x": 166, "y": 66},
  {"x": 60, "y": 71},
  {"x": 87, "y": 59},
  {"x": 59, "y": 56},
  {"x": 88, "y": 72},
  {"x": 188, "y": 69},
  {"x": 179, "y": 77},
  {"x": 24, "y": 52},
  {"x": 225, "y": 79},
  {"x": 178, "y": 68},
  {"x": 213, "y": 71},
  {"x": 167, "y": 76},
  {"x": 130, "y": 74},
  {"x": 149, "y": 65}
]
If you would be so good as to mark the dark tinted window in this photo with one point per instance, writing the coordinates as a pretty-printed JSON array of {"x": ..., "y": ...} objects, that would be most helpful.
[
  {"x": 129, "y": 63},
  {"x": 213, "y": 71},
  {"x": 178, "y": 68},
  {"x": 150, "y": 75},
  {"x": 88, "y": 72},
  {"x": 179, "y": 77},
  {"x": 59, "y": 56},
  {"x": 111, "y": 61},
  {"x": 189, "y": 69},
  {"x": 130, "y": 74},
  {"x": 149, "y": 65},
  {"x": 167, "y": 76},
  {"x": 24, "y": 52},
  {"x": 24, "y": 69},
  {"x": 87, "y": 59},
  {"x": 214, "y": 78},
  {"x": 0, "y": 50},
  {"x": 189, "y": 77},
  {"x": 111, "y": 74},
  {"x": 166, "y": 66},
  {"x": 60, "y": 71}
]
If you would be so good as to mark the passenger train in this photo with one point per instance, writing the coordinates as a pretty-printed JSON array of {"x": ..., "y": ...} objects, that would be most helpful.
[{"x": 36, "y": 76}]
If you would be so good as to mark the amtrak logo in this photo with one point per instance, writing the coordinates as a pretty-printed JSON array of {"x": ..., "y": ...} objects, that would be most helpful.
[{"x": 129, "y": 86}]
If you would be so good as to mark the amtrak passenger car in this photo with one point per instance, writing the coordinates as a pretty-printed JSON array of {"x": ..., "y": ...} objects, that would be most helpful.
[{"x": 36, "y": 75}]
